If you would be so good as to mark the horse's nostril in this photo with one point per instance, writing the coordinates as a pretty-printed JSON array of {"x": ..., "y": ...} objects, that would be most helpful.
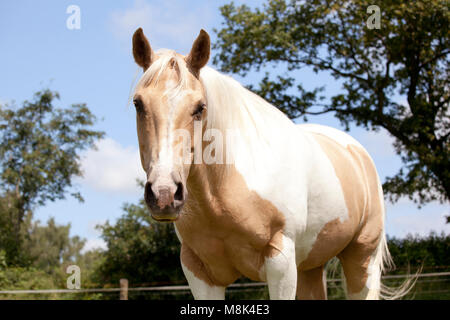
[
  {"x": 179, "y": 192},
  {"x": 149, "y": 196}
]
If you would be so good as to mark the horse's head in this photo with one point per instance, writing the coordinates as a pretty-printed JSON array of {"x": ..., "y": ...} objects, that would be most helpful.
[{"x": 168, "y": 99}]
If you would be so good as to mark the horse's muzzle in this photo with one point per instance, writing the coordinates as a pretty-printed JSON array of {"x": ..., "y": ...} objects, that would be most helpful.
[{"x": 165, "y": 203}]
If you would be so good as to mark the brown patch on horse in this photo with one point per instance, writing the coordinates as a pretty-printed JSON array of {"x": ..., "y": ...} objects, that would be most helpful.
[
  {"x": 312, "y": 284},
  {"x": 230, "y": 228},
  {"x": 275, "y": 246},
  {"x": 355, "y": 239},
  {"x": 195, "y": 265},
  {"x": 356, "y": 256}
]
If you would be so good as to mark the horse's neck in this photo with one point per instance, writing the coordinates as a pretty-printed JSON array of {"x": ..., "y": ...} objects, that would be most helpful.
[
  {"x": 206, "y": 180},
  {"x": 254, "y": 166}
]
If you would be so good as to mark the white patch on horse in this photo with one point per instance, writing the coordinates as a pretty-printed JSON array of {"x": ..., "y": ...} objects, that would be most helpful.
[
  {"x": 281, "y": 272},
  {"x": 165, "y": 157}
]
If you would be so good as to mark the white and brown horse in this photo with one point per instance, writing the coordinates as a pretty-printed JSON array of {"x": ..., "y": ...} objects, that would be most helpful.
[{"x": 274, "y": 201}]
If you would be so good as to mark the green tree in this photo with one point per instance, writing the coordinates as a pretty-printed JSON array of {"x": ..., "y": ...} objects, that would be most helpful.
[
  {"x": 406, "y": 57},
  {"x": 50, "y": 250},
  {"x": 8, "y": 239},
  {"x": 20, "y": 278},
  {"x": 414, "y": 251},
  {"x": 39, "y": 156},
  {"x": 50, "y": 246},
  {"x": 139, "y": 249}
]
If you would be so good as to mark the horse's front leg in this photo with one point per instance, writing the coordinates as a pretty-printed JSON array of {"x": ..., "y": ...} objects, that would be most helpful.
[
  {"x": 281, "y": 270},
  {"x": 201, "y": 286}
]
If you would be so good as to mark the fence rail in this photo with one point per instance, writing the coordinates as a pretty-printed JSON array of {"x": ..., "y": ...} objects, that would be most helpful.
[{"x": 185, "y": 287}]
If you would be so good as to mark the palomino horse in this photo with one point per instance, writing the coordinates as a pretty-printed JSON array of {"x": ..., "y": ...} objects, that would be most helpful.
[{"x": 287, "y": 198}]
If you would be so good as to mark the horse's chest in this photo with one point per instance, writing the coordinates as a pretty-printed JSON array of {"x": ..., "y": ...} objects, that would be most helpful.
[
  {"x": 230, "y": 239},
  {"x": 226, "y": 254},
  {"x": 226, "y": 224},
  {"x": 227, "y": 259}
]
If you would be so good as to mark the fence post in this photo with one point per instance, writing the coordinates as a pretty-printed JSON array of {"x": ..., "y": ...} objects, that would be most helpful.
[{"x": 123, "y": 289}]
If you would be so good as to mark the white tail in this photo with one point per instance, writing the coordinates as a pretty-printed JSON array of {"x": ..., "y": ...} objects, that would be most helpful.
[
  {"x": 386, "y": 264},
  {"x": 382, "y": 262}
]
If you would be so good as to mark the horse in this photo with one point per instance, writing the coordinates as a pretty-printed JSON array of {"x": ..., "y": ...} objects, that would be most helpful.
[{"x": 287, "y": 199}]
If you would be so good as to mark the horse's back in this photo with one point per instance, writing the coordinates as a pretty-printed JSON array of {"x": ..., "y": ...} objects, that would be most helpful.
[{"x": 339, "y": 136}]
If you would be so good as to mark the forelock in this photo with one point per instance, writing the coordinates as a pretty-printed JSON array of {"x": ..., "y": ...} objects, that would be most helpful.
[{"x": 166, "y": 59}]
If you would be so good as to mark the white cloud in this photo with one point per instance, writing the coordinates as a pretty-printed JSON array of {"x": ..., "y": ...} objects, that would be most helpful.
[
  {"x": 167, "y": 24},
  {"x": 92, "y": 231},
  {"x": 92, "y": 244},
  {"x": 112, "y": 168}
]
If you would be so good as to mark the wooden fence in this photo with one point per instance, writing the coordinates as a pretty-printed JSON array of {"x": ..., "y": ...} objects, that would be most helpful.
[{"x": 123, "y": 289}]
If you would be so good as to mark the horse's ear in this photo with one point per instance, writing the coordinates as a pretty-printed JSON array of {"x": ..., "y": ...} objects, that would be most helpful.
[
  {"x": 199, "y": 55},
  {"x": 142, "y": 52}
]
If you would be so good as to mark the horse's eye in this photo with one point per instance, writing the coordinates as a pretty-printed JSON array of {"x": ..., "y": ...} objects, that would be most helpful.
[
  {"x": 138, "y": 104},
  {"x": 198, "y": 111}
]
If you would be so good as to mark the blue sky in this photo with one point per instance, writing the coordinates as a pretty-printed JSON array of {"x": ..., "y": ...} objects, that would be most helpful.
[{"x": 94, "y": 65}]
